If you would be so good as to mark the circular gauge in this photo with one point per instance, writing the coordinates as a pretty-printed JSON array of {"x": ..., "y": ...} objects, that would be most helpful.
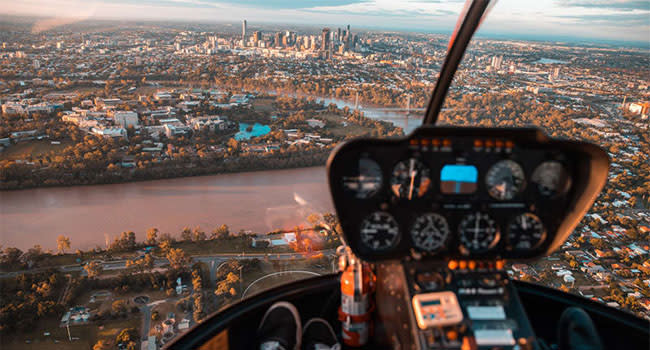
[
  {"x": 525, "y": 232},
  {"x": 410, "y": 179},
  {"x": 551, "y": 179},
  {"x": 505, "y": 179},
  {"x": 379, "y": 231},
  {"x": 430, "y": 232},
  {"x": 478, "y": 232},
  {"x": 364, "y": 180}
]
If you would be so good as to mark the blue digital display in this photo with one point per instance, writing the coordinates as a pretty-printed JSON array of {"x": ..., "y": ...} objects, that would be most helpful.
[
  {"x": 458, "y": 179},
  {"x": 430, "y": 302}
]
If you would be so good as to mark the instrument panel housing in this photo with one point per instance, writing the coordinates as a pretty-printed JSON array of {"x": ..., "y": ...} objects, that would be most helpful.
[{"x": 586, "y": 164}]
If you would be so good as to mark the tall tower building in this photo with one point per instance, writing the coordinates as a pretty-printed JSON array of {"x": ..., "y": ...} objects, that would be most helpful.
[
  {"x": 257, "y": 37},
  {"x": 277, "y": 42},
  {"x": 243, "y": 32},
  {"x": 496, "y": 62},
  {"x": 325, "y": 40}
]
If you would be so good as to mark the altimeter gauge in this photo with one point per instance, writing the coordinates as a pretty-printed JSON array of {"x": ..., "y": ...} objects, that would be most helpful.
[
  {"x": 410, "y": 179},
  {"x": 505, "y": 180}
]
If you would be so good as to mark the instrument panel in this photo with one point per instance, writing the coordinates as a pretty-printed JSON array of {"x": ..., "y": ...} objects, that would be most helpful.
[{"x": 463, "y": 192}]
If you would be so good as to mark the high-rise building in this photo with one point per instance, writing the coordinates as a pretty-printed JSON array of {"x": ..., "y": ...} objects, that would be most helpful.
[
  {"x": 36, "y": 64},
  {"x": 556, "y": 72},
  {"x": 496, "y": 62},
  {"x": 257, "y": 37},
  {"x": 325, "y": 40},
  {"x": 243, "y": 32},
  {"x": 278, "y": 39}
]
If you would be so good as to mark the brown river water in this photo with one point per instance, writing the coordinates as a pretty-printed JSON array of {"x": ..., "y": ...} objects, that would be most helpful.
[{"x": 91, "y": 215}]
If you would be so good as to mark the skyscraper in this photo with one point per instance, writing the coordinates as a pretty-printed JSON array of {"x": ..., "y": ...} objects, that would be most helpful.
[
  {"x": 243, "y": 32},
  {"x": 496, "y": 62},
  {"x": 257, "y": 37},
  {"x": 277, "y": 42},
  {"x": 325, "y": 40}
]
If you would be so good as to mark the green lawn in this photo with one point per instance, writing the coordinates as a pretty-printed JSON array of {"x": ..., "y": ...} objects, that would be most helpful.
[
  {"x": 263, "y": 104},
  {"x": 35, "y": 149},
  {"x": 340, "y": 130}
]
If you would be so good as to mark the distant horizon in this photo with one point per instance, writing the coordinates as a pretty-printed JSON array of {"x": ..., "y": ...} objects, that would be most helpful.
[
  {"x": 594, "y": 20},
  {"x": 481, "y": 34}
]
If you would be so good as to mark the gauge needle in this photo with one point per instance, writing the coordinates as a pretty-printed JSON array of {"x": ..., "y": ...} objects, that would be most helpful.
[
  {"x": 412, "y": 172},
  {"x": 502, "y": 189},
  {"x": 524, "y": 223}
]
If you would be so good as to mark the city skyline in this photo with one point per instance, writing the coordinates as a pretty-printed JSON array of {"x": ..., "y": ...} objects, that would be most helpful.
[{"x": 625, "y": 21}]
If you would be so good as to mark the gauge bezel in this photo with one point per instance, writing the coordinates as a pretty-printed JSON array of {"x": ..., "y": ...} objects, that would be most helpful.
[
  {"x": 567, "y": 183},
  {"x": 396, "y": 240},
  {"x": 355, "y": 193},
  {"x": 494, "y": 166},
  {"x": 509, "y": 240},
  {"x": 424, "y": 165},
  {"x": 461, "y": 234},
  {"x": 442, "y": 243}
]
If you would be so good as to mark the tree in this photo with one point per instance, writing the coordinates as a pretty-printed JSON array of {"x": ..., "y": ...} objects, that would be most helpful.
[
  {"x": 101, "y": 345},
  {"x": 94, "y": 269},
  {"x": 221, "y": 232},
  {"x": 152, "y": 236},
  {"x": 11, "y": 256},
  {"x": 62, "y": 243},
  {"x": 197, "y": 283},
  {"x": 314, "y": 219},
  {"x": 186, "y": 234},
  {"x": 177, "y": 258},
  {"x": 127, "y": 336},
  {"x": 198, "y": 234},
  {"x": 119, "y": 307},
  {"x": 165, "y": 246}
]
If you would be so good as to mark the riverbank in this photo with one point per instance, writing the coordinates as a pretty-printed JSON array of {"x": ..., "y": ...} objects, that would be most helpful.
[
  {"x": 260, "y": 201},
  {"x": 251, "y": 163}
]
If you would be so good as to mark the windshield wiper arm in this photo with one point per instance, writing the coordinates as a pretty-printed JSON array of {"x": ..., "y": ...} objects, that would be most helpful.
[{"x": 459, "y": 41}]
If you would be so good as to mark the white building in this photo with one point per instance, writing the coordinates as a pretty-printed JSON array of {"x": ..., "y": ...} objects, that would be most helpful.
[
  {"x": 212, "y": 123},
  {"x": 114, "y": 132},
  {"x": 176, "y": 129},
  {"x": 126, "y": 118}
]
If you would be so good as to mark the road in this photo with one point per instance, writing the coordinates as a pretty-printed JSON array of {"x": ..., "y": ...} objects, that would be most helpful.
[{"x": 211, "y": 260}]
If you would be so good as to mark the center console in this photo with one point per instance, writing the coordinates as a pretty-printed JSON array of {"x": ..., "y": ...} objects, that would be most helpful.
[{"x": 458, "y": 305}]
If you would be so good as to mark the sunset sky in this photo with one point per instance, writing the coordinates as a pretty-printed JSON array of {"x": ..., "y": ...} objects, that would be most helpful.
[{"x": 627, "y": 20}]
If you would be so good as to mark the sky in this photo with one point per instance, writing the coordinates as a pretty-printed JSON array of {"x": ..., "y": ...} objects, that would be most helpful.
[{"x": 624, "y": 20}]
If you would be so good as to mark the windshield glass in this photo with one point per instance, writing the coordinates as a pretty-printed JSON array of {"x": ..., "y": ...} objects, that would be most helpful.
[
  {"x": 162, "y": 160},
  {"x": 562, "y": 75}
]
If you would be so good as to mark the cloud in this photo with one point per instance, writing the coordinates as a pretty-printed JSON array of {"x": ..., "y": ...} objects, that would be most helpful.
[
  {"x": 624, "y": 5},
  {"x": 417, "y": 9},
  {"x": 620, "y": 19},
  {"x": 285, "y": 4}
]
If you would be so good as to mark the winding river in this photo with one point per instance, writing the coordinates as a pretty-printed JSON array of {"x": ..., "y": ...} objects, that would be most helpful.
[{"x": 92, "y": 215}]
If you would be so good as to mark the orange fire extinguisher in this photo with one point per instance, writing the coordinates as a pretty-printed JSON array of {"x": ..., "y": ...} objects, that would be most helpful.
[{"x": 357, "y": 286}]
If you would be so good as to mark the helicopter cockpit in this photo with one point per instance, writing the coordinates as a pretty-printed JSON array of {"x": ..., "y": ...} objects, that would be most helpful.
[{"x": 435, "y": 216}]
